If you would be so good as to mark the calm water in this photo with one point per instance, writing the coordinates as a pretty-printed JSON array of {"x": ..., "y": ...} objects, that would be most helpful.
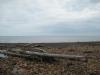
[
  {"x": 3, "y": 56},
  {"x": 40, "y": 39}
]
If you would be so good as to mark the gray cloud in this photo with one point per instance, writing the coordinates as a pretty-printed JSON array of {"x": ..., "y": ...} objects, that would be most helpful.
[
  {"x": 49, "y": 17},
  {"x": 86, "y": 28}
]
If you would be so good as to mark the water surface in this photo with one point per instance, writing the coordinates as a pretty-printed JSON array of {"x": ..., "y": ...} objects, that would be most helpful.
[{"x": 44, "y": 39}]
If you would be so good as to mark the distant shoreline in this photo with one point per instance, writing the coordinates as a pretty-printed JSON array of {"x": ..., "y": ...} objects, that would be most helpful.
[
  {"x": 49, "y": 42},
  {"x": 48, "y": 39}
]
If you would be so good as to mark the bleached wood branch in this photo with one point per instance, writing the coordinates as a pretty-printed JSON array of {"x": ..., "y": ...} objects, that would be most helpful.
[{"x": 31, "y": 54}]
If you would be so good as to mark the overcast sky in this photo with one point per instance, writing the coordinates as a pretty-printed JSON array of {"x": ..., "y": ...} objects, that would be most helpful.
[{"x": 50, "y": 17}]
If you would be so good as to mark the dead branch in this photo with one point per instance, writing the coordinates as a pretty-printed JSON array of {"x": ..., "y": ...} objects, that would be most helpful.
[{"x": 31, "y": 54}]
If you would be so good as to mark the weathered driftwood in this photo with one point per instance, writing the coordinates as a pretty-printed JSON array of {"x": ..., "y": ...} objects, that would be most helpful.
[
  {"x": 54, "y": 55},
  {"x": 31, "y": 54},
  {"x": 39, "y": 50},
  {"x": 34, "y": 50},
  {"x": 13, "y": 54}
]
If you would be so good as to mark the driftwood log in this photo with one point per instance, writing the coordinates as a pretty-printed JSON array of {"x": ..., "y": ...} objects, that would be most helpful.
[{"x": 44, "y": 55}]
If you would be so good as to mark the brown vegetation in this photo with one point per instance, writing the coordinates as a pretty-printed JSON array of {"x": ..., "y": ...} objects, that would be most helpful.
[{"x": 22, "y": 66}]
